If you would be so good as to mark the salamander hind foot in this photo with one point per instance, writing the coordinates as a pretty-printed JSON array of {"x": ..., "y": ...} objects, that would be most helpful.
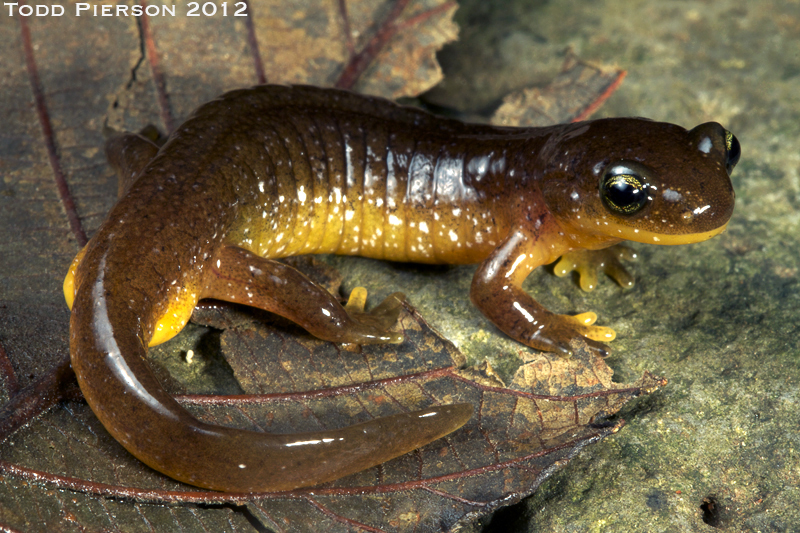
[{"x": 374, "y": 327}]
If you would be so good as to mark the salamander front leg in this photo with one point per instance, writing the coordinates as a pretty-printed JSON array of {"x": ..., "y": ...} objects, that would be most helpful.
[
  {"x": 242, "y": 277},
  {"x": 497, "y": 292},
  {"x": 587, "y": 262}
]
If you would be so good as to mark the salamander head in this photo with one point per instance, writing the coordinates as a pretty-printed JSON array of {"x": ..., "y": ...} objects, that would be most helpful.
[{"x": 644, "y": 181}]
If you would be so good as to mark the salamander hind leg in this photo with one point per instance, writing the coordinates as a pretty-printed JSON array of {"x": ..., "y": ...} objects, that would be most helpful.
[
  {"x": 587, "y": 262},
  {"x": 242, "y": 277}
]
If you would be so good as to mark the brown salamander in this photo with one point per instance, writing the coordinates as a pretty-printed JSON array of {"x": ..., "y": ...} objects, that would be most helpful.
[{"x": 274, "y": 171}]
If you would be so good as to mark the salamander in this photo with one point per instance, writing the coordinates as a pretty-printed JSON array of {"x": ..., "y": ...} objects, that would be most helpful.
[{"x": 273, "y": 171}]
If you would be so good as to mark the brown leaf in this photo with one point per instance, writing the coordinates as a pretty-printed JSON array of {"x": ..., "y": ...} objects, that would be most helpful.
[
  {"x": 384, "y": 47},
  {"x": 577, "y": 92},
  {"x": 516, "y": 436},
  {"x": 48, "y": 138}
]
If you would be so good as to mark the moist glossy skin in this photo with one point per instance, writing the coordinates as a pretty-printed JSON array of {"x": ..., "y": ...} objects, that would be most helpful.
[{"x": 276, "y": 171}]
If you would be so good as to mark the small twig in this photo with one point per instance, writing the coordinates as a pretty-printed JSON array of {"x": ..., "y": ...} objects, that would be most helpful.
[
  {"x": 158, "y": 75},
  {"x": 252, "y": 42},
  {"x": 49, "y": 139},
  {"x": 348, "y": 34}
]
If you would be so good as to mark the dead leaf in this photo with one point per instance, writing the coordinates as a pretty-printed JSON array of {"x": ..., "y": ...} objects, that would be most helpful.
[
  {"x": 389, "y": 47},
  {"x": 572, "y": 96},
  {"x": 385, "y": 47}
]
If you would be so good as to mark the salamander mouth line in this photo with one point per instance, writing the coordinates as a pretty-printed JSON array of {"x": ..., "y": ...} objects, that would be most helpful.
[{"x": 656, "y": 238}]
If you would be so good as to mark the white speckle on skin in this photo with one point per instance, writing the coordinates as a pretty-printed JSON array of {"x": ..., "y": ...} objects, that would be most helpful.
[
  {"x": 514, "y": 266},
  {"x": 524, "y": 312},
  {"x": 671, "y": 195}
]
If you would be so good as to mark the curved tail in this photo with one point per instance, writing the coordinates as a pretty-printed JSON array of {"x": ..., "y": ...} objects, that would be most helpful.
[{"x": 108, "y": 340}]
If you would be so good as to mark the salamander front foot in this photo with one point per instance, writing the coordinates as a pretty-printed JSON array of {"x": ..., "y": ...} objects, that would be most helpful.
[
  {"x": 594, "y": 336},
  {"x": 557, "y": 333},
  {"x": 587, "y": 262}
]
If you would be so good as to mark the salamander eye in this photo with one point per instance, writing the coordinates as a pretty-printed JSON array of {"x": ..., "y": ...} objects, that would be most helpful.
[
  {"x": 624, "y": 187},
  {"x": 733, "y": 150}
]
